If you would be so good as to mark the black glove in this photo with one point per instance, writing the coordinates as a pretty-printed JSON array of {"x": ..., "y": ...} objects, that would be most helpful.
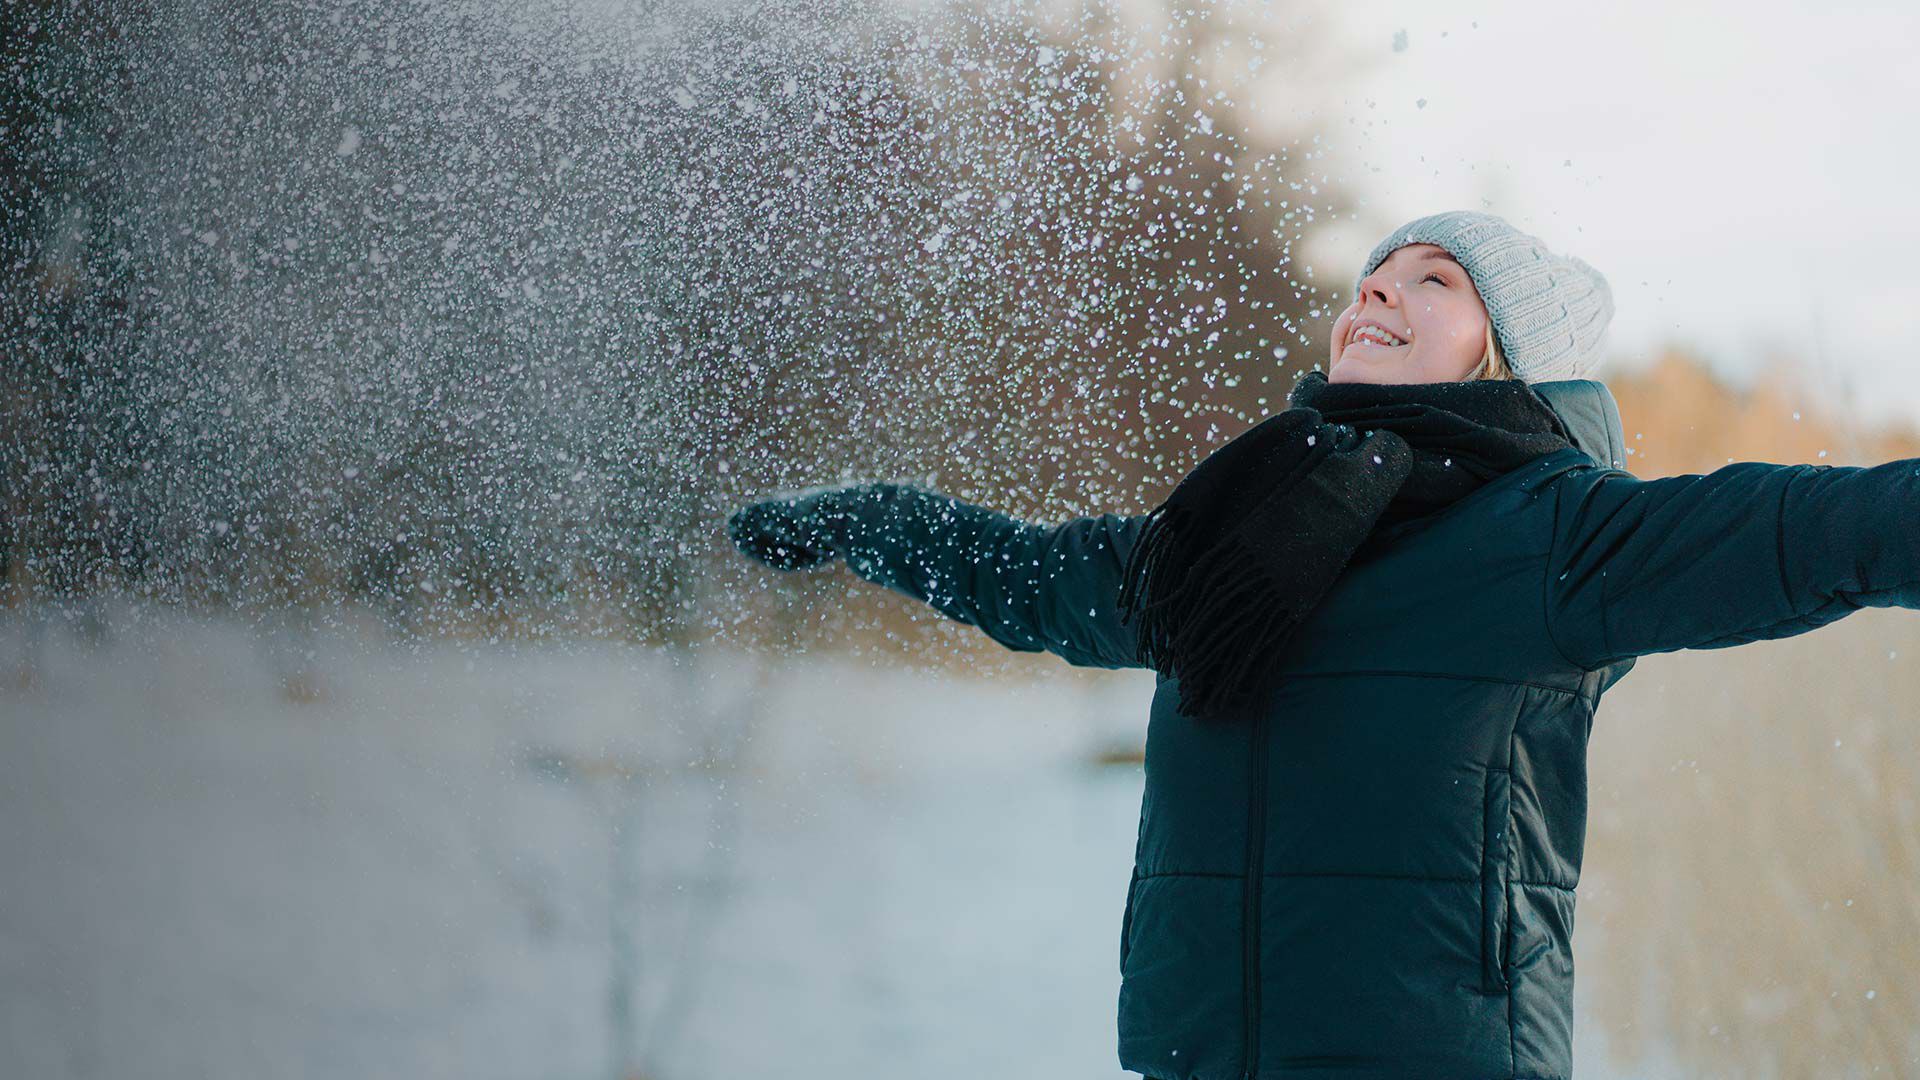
[{"x": 798, "y": 529}]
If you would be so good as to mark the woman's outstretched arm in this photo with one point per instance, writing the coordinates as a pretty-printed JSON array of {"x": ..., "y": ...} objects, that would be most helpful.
[
  {"x": 1747, "y": 552},
  {"x": 1029, "y": 587}
]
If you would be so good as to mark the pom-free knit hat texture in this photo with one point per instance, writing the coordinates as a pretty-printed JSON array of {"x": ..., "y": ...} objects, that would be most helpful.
[{"x": 1548, "y": 310}]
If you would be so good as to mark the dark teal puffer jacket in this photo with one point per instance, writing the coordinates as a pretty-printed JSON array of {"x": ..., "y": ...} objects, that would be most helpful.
[{"x": 1375, "y": 879}]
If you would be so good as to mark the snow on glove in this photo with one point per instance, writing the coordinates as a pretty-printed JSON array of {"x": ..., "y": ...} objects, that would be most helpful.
[{"x": 797, "y": 529}]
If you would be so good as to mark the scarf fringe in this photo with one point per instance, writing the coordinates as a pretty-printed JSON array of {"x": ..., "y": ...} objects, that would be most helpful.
[{"x": 1210, "y": 629}]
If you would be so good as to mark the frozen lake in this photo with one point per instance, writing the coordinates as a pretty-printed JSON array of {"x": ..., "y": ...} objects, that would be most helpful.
[{"x": 580, "y": 861}]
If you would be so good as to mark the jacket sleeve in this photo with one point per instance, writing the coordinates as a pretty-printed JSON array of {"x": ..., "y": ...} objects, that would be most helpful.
[
  {"x": 1029, "y": 587},
  {"x": 1747, "y": 552}
]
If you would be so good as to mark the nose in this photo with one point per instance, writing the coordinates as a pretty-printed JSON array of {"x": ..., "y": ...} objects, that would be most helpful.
[{"x": 1375, "y": 285}]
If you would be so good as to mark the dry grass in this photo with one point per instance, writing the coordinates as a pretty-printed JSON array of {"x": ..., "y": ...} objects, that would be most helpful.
[{"x": 1751, "y": 902}]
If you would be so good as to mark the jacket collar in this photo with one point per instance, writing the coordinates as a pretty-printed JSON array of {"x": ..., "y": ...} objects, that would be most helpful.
[{"x": 1587, "y": 407}]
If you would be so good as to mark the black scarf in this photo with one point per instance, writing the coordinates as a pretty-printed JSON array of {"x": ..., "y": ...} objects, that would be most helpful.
[{"x": 1253, "y": 537}]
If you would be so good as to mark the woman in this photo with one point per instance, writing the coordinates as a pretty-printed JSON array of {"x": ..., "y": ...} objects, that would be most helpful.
[{"x": 1382, "y": 621}]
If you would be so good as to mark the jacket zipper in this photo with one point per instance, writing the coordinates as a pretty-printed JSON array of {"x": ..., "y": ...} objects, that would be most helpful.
[{"x": 1256, "y": 875}]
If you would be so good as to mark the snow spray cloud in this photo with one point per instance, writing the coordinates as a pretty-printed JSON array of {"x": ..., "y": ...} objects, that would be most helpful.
[{"x": 494, "y": 308}]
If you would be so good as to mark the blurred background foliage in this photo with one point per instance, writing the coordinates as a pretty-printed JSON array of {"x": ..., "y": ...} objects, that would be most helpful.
[
  {"x": 487, "y": 329},
  {"x": 485, "y": 343}
]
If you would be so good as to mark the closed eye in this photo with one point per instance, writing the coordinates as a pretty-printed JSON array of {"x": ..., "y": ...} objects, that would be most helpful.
[{"x": 1434, "y": 277}]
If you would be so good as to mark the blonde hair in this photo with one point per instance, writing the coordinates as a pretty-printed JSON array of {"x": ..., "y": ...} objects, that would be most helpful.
[{"x": 1492, "y": 364}]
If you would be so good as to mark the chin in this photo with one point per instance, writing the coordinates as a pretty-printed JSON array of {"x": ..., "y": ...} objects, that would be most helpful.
[{"x": 1354, "y": 371}]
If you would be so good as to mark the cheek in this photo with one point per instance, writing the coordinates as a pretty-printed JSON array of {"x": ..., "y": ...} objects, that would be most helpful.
[
  {"x": 1458, "y": 315},
  {"x": 1461, "y": 329},
  {"x": 1454, "y": 337}
]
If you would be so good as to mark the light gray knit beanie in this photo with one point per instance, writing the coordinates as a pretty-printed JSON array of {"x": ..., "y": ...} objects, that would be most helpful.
[{"x": 1548, "y": 311}]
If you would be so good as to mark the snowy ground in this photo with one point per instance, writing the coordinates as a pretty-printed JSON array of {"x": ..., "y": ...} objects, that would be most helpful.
[{"x": 558, "y": 862}]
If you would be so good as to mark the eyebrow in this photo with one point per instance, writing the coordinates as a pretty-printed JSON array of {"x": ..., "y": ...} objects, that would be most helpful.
[{"x": 1442, "y": 257}]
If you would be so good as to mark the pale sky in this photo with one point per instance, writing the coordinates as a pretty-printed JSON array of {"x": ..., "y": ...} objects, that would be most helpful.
[{"x": 1740, "y": 172}]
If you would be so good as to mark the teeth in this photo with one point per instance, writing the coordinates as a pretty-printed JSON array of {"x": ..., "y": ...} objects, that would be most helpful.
[{"x": 1374, "y": 333}]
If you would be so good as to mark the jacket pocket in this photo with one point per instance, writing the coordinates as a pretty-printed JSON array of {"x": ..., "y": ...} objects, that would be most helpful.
[
  {"x": 1126, "y": 921},
  {"x": 1494, "y": 862}
]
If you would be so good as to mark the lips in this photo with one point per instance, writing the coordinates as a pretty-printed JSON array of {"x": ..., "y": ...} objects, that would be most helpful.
[
  {"x": 1355, "y": 337},
  {"x": 1372, "y": 344}
]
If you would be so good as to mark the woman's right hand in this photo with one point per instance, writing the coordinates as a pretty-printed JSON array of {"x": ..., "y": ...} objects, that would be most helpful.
[{"x": 795, "y": 530}]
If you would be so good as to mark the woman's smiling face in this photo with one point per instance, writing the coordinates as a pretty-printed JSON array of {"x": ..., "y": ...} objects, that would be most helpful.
[{"x": 1426, "y": 301}]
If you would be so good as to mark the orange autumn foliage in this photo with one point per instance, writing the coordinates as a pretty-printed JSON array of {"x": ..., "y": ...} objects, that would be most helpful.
[{"x": 1680, "y": 417}]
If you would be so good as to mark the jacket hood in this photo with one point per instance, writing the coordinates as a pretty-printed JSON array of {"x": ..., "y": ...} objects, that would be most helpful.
[{"x": 1586, "y": 406}]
